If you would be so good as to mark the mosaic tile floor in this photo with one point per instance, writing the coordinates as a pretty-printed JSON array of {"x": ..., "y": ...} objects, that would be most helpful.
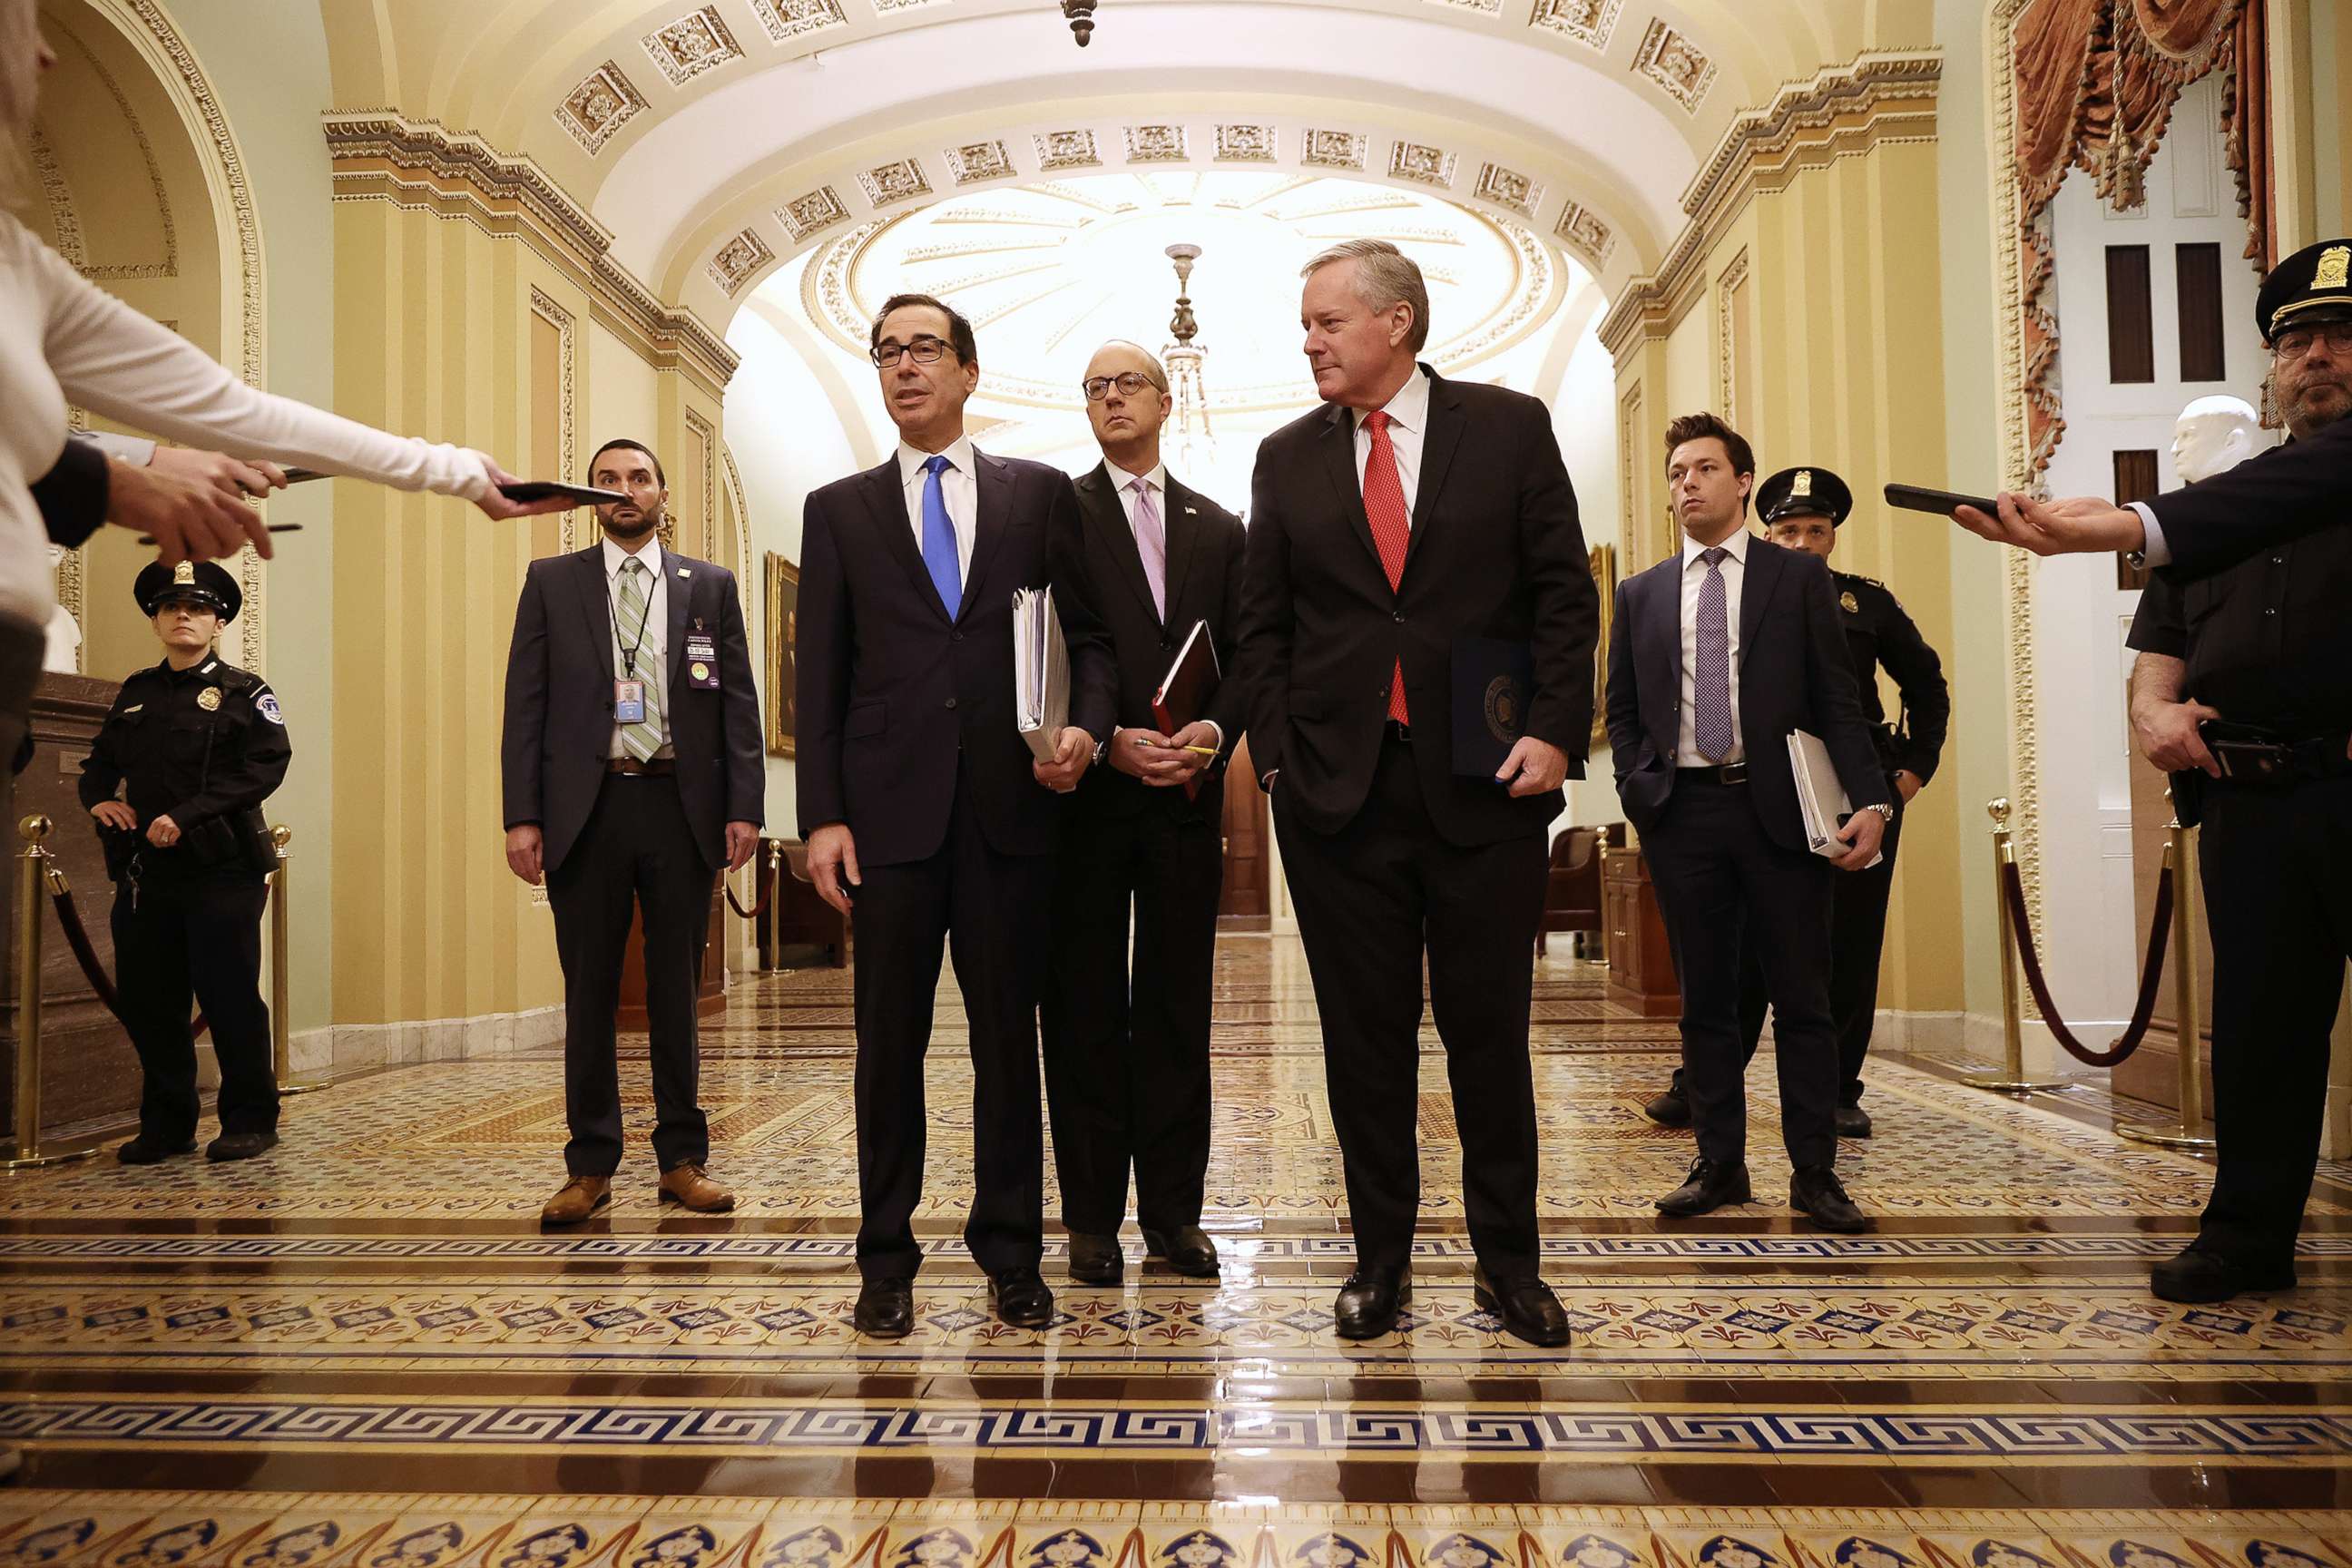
[{"x": 361, "y": 1352}]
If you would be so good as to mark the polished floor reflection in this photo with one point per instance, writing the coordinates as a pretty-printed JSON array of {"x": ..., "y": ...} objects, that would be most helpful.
[{"x": 361, "y": 1352}]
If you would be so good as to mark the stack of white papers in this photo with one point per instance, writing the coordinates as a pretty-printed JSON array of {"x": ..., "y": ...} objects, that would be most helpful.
[
  {"x": 1820, "y": 795},
  {"x": 1041, "y": 672}
]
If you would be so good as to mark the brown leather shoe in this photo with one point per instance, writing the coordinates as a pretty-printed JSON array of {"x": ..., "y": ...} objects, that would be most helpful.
[
  {"x": 689, "y": 1185},
  {"x": 580, "y": 1196}
]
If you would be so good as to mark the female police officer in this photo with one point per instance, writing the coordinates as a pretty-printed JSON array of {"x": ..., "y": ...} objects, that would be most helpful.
[{"x": 176, "y": 780}]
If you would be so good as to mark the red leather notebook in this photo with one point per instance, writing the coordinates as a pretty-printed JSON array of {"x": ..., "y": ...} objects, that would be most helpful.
[{"x": 1185, "y": 691}]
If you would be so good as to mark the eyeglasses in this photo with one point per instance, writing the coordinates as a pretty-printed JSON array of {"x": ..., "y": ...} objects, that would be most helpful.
[
  {"x": 1129, "y": 382},
  {"x": 2297, "y": 343},
  {"x": 924, "y": 350}
]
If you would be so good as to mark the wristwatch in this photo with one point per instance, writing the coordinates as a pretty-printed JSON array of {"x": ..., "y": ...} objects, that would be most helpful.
[
  {"x": 1884, "y": 808},
  {"x": 1100, "y": 747}
]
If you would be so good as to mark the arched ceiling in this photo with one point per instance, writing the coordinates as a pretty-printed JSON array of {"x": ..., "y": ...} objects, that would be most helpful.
[{"x": 717, "y": 140}]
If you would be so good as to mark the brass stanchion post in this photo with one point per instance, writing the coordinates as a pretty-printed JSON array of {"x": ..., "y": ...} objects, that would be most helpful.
[
  {"x": 281, "y": 1019},
  {"x": 31, "y": 874},
  {"x": 2012, "y": 1078},
  {"x": 2188, "y": 1008}
]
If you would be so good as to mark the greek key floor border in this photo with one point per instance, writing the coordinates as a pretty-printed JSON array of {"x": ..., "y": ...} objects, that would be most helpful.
[{"x": 2157, "y": 1435}]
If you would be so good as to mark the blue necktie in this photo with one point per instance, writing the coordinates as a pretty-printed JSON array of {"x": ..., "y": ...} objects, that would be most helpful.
[{"x": 940, "y": 539}]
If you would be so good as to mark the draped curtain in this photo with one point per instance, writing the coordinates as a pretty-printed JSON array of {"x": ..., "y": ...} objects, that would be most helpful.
[{"x": 2095, "y": 84}]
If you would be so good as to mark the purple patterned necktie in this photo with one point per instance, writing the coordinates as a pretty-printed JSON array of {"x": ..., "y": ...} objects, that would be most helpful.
[
  {"x": 1711, "y": 698},
  {"x": 1151, "y": 543}
]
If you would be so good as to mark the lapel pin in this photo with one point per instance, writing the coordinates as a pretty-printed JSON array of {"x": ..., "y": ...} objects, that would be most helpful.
[{"x": 683, "y": 572}]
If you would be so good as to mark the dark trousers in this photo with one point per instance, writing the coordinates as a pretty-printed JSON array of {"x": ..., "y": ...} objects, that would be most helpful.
[
  {"x": 1127, "y": 1059},
  {"x": 636, "y": 851},
  {"x": 2278, "y": 901},
  {"x": 991, "y": 909},
  {"x": 1370, "y": 899},
  {"x": 1857, "y": 937},
  {"x": 1725, "y": 889},
  {"x": 186, "y": 939}
]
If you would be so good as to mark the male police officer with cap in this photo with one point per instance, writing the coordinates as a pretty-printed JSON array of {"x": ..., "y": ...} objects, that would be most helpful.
[
  {"x": 176, "y": 780},
  {"x": 1801, "y": 508},
  {"x": 2242, "y": 689}
]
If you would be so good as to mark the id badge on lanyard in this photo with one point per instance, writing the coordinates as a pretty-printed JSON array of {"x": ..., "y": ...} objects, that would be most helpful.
[{"x": 628, "y": 702}]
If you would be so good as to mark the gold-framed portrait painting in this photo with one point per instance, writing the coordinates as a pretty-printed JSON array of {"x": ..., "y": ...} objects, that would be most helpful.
[{"x": 783, "y": 635}]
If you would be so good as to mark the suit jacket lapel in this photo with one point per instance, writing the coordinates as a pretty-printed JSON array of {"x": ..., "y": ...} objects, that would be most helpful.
[
  {"x": 680, "y": 592},
  {"x": 1445, "y": 423},
  {"x": 1763, "y": 573},
  {"x": 1183, "y": 533},
  {"x": 886, "y": 498},
  {"x": 994, "y": 485},
  {"x": 1106, "y": 513},
  {"x": 1339, "y": 464},
  {"x": 596, "y": 598}
]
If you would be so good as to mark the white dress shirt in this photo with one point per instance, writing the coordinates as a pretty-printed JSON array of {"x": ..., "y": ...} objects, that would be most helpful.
[
  {"x": 62, "y": 337},
  {"x": 1156, "y": 483},
  {"x": 652, "y": 659},
  {"x": 957, "y": 487},
  {"x": 1735, "y": 571},
  {"x": 1408, "y": 414}
]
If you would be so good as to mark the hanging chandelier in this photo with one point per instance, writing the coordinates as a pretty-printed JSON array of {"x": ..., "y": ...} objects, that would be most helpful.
[
  {"x": 1081, "y": 15},
  {"x": 1186, "y": 361}
]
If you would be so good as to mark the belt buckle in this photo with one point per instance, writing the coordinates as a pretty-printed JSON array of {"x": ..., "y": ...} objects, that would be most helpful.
[{"x": 1733, "y": 773}]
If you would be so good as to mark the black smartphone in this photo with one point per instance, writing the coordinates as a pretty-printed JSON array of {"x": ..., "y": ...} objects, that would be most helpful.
[
  {"x": 274, "y": 528},
  {"x": 1918, "y": 497},
  {"x": 529, "y": 490}
]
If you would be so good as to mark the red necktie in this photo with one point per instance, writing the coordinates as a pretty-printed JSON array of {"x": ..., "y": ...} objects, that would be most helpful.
[{"x": 1384, "y": 509}]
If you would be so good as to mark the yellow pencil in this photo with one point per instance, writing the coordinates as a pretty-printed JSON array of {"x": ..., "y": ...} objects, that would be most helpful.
[{"x": 1203, "y": 751}]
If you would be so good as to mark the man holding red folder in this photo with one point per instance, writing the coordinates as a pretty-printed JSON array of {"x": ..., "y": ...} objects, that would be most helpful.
[{"x": 1127, "y": 1055}]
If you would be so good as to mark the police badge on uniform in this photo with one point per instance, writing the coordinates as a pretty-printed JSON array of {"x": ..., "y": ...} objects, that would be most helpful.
[
  {"x": 209, "y": 698},
  {"x": 1851, "y": 606}
]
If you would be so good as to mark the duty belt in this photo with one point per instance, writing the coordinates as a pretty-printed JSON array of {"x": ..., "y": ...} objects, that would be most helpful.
[{"x": 2254, "y": 757}]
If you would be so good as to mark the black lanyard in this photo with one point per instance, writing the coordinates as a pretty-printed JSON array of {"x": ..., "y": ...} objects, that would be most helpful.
[{"x": 629, "y": 654}]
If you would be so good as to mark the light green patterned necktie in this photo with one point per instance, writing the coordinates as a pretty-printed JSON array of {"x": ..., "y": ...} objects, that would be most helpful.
[{"x": 641, "y": 740}]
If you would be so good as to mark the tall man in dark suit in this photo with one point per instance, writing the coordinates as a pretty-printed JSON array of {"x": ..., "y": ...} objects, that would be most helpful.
[
  {"x": 921, "y": 802},
  {"x": 1412, "y": 513},
  {"x": 1127, "y": 1060},
  {"x": 633, "y": 768},
  {"x": 1717, "y": 655}
]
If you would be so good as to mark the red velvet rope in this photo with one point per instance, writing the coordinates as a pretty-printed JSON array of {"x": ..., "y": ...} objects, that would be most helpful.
[
  {"x": 70, "y": 921},
  {"x": 2159, "y": 930},
  {"x": 767, "y": 879}
]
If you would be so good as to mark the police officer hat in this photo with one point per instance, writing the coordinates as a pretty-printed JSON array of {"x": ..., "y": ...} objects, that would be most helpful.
[
  {"x": 1803, "y": 493},
  {"x": 2314, "y": 284},
  {"x": 199, "y": 582}
]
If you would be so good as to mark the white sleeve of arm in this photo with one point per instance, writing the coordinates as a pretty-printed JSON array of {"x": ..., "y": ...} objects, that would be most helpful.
[
  {"x": 135, "y": 450},
  {"x": 109, "y": 358},
  {"x": 2155, "y": 552}
]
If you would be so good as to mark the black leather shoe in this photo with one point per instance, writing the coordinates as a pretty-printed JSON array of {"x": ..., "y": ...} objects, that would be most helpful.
[
  {"x": 1187, "y": 1249},
  {"x": 240, "y": 1145},
  {"x": 1852, "y": 1122},
  {"x": 886, "y": 1308},
  {"x": 1020, "y": 1299},
  {"x": 1367, "y": 1304},
  {"x": 1814, "y": 1193},
  {"x": 1708, "y": 1186},
  {"x": 145, "y": 1151},
  {"x": 2198, "y": 1274},
  {"x": 1527, "y": 1306},
  {"x": 1096, "y": 1258},
  {"x": 1671, "y": 1109}
]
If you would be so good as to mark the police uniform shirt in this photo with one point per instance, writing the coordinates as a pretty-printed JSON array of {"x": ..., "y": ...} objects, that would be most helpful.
[
  {"x": 190, "y": 745},
  {"x": 2266, "y": 641},
  {"x": 1880, "y": 632}
]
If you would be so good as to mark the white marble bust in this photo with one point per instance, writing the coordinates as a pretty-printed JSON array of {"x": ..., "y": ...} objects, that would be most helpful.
[{"x": 2214, "y": 434}]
